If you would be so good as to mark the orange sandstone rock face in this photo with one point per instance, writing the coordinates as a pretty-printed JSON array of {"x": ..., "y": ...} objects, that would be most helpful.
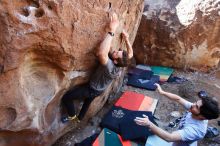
[
  {"x": 181, "y": 33},
  {"x": 46, "y": 48}
]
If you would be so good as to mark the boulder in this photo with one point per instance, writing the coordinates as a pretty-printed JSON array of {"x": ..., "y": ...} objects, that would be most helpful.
[
  {"x": 180, "y": 33},
  {"x": 47, "y": 47}
]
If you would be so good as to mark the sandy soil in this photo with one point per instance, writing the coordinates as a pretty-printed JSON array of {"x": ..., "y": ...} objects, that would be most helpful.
[{"x": 209, "y": 82}]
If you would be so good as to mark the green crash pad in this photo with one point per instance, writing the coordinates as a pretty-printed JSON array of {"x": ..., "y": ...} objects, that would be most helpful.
[{"x": 163, "y": 72}]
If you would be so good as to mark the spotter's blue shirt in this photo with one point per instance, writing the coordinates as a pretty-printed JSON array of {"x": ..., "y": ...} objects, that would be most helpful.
[{"x": 190, "y": 129}]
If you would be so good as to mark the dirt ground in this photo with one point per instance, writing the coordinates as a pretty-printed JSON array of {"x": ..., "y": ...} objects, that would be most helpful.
[{"x": 209, "y": 82}]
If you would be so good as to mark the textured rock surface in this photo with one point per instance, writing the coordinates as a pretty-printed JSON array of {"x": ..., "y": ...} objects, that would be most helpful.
[
  {"x": 46, "y": 48},
  {"x": 179, "y": 33}
]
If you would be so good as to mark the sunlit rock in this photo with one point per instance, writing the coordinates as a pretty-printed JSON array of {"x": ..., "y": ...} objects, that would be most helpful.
[
  {"x": 47, "y": 47},
  {"x": 180, "y": 33}
]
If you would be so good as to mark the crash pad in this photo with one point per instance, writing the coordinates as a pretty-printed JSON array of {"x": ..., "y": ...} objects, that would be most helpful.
[
  {"x": 163, "y": 72},
  {"x": 154, "y": 140},
  {"x": 137, "y": 102},
  {"x": 110, "y": 138}
]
